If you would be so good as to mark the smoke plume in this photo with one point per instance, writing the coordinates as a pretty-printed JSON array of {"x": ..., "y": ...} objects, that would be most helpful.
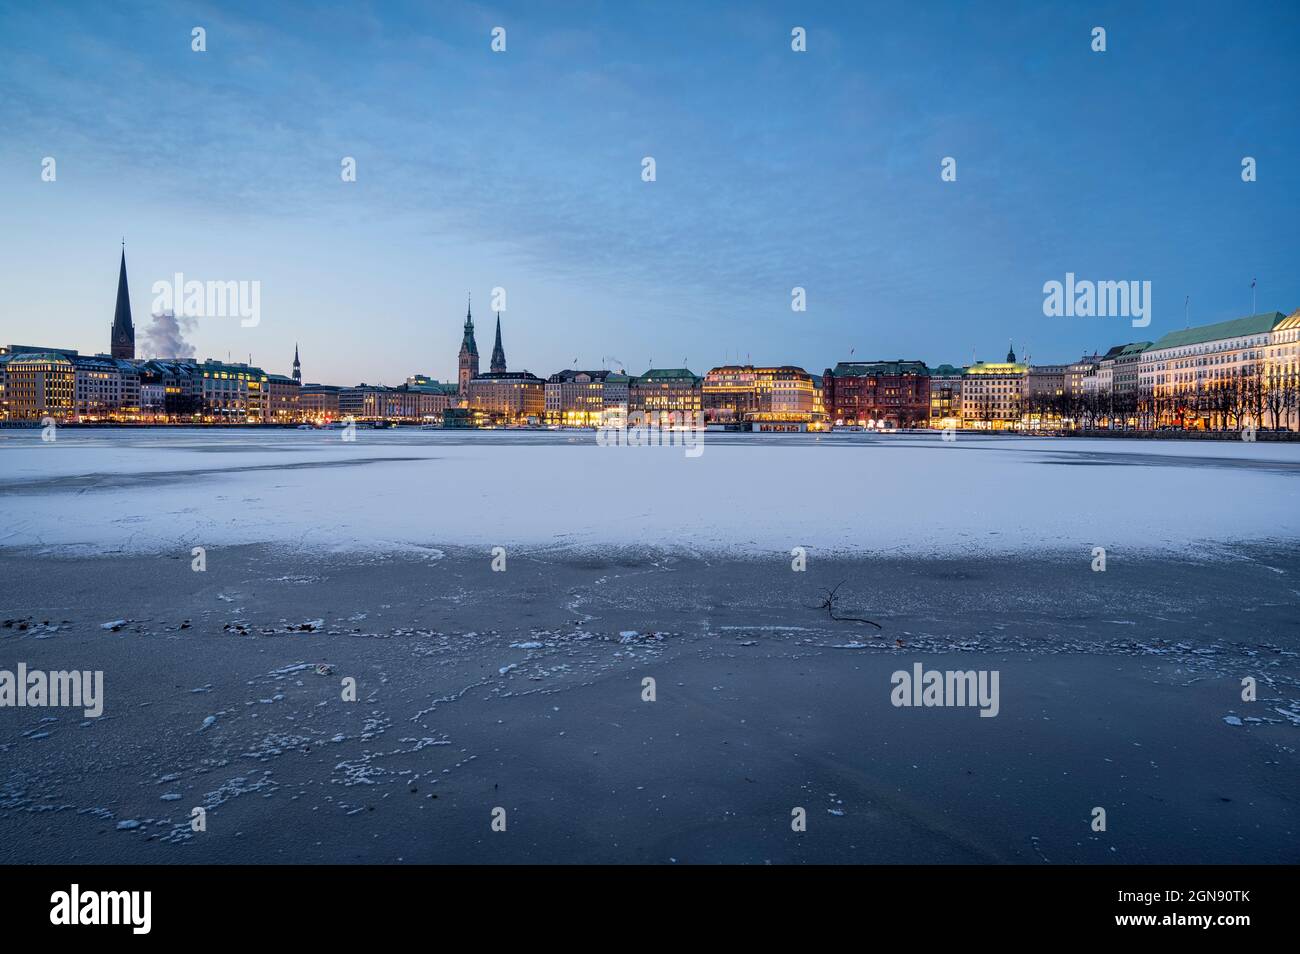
[{"x": 165, "y": 336}]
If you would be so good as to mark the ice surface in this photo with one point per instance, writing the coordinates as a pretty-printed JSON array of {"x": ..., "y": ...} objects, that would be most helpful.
[{"x": 409, "y": 490}]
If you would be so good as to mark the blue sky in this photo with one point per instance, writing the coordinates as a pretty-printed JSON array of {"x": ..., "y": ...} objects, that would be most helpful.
[{"x": 523, "y": 170}]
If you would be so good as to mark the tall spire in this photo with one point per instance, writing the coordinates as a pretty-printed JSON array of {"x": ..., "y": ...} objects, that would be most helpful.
[
  {"x": 467, "y": 343},
  {"x": 297, "y": 365},
  {"x": 1011, "y": 353},
  {"x": 498, "y": 352},
  {"x": 467, "y": 360},
  {"x": 122, "y": 337}
]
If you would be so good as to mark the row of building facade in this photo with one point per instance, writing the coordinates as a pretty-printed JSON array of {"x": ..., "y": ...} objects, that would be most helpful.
[
  {"x": 39, "y": 382},
  {"x": 1218, "y": 376}
]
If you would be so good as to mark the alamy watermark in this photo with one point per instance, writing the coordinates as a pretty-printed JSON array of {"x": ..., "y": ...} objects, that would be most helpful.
[
  {"x": 211, "y": 299},
  {"x": 1082, "y": 298},
  {"x": 934, "y": 687},
  {"x": 37, "y": 688},
  {"x": 75, "y": 906},
  {"x": 653, "y": 429}
]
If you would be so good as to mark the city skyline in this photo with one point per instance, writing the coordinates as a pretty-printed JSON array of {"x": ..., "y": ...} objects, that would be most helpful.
[
  {"x": 124, "y": 311},
  {"x": 819, "y": 170},
  {"x": 1240, "y": 374}
]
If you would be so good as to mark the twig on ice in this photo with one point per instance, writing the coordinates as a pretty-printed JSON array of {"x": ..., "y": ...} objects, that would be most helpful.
[{"x": 828, "y": 604}]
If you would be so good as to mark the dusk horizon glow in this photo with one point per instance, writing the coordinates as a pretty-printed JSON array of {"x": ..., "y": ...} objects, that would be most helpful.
[{"x": 521, "y": 170}]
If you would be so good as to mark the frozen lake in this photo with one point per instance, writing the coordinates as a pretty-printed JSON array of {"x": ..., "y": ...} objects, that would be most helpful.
[
  {"x": 523, "y": 690},
  {"x": 369, "y": 561},
  {"x": 97, "y": 491}
]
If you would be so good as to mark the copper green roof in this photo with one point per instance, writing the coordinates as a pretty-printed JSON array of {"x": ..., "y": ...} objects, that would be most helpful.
[
  {"x": 1238, "y": 327},
  {"x": 668, "y": 374},
  {"x": 432, "y": 387},
  {"x": 41, "y": 349},
  {"x": 39, "y": 356}
]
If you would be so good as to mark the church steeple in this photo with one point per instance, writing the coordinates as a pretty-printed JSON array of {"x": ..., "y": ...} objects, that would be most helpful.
[
  {"x": 467, "y": 343},
  {"x": 122, "y": 338},
  {"x": 1011, "y": 353},
  {"x": 297, "y": 365},
  {"x": 467, "y": 361},
  {"x": 498, "y": 353}
]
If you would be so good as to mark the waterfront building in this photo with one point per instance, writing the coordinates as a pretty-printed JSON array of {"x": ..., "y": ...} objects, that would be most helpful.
[
  {"x": 1077, "y": 376},
  {"x": 97, "y": 389},
  {"x": 586, "y": 398},
  {"x": 748, "y": 394},
  {"x": 40, "y": 384},
  {"x": 404, "y": 403},
  {"x": 819, "y": 399},
  {"x": 875, "y": 393},
  {"x": 1046, "y": 403},
  {"x": 945, "y": 396},
  {"x": 1282, "y": 374},
  {"x": 993, "y": 394},
  {"x": 319, "y": 403},
  {"x": 507, "y": 397},
  {"x": 729, "y": 394},
  {"x": 1046, "y": 380},
  {"x": 1117, "y": 369},
  {"x": 282, "y": 399},
  {"x": 457, "y": 417},
  {"x": 786, "y": 394},
  {"x": 181, "y": 382},
  {"x": 1111, "y": 391},
  {"x": 1125, "y": 366},
  {"x": 153, "y": 398},
  {"x": 130, "y": 372},
  {"x": 433, "y": 398},
  {"x": 1211, "y": 376},
  {"x": 233, "y": 393},
  {"x": 4, "y": 371},
  {"x": 666, "y": 397}
]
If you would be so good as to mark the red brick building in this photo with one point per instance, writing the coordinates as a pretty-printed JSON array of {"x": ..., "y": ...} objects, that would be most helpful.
[{"x": 897, "y": 392}]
